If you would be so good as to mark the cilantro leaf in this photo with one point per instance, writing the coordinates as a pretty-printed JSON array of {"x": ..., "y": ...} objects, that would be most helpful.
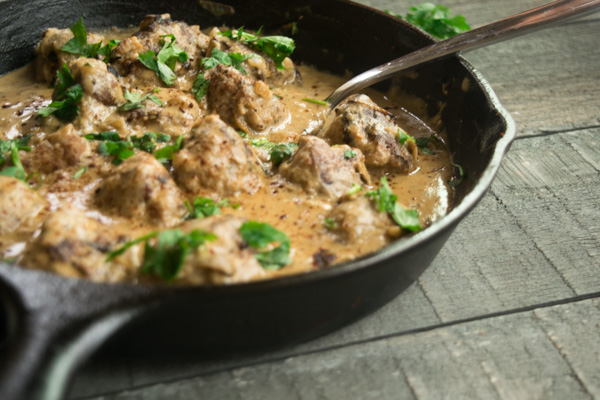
[
  {"x": 436, "y": 20},
  {"x": 136, "y": 100},
  {"x": 79, "y": 45},
  {"x": 260, "y": 236},
  {"x": 164, "y": 62},
  {"x": 385, "y": 200},
  {"x": 67, "y": 94}
]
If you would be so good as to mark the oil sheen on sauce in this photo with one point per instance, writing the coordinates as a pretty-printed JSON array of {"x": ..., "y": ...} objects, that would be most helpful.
[{"x": 301, "y": 217}]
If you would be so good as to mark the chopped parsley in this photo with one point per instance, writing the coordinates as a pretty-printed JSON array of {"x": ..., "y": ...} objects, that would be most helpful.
[
  {"x": 79, "y": 45},
  {"x": 200, "y": 87},
  {"x": 79, "y": 172},
  {"x": 278, "y": 152},
  {"x": 423, "y": 144},
  {"x": 349, "y": 154},
  {"x": 67, "y": 93},
  {"x": 354, "y": 189},
  {"x": 436, "y": 20},
  {"x": 275, "y": 47},
  {"x": 164, "y": 62},
  {"x": 147, "y": 142},
  {"x": 167, "y": 153},
  {"x": 385, "y": 200},
  {"x": 330, "y": 223},
  {"x": 16, "y": 170},
  {"x": 233, "y": 59},
  {"x": 6, "y": 146},
  {"x": 203, "y": 207},
  {"x": 136, "y": 100},
  {"x": 165, "y": 258},
  {"x": 111, "y": 144},
  {"x": 315, "y": 101},
  {"x": 461, "y": 176},
  {"x": 404, "y": 137},
  {"x": 272, "y": 245}
]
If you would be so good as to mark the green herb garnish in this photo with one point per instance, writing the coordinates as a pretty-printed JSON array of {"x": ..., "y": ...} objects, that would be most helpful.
[
  {"x": 136, "y": 100},
  {"x": 200, "y": 87},
  {"x": 262, "y": 237},
  {"x": 278, "y": 152},
  {"x": 275, "y": 47},
  {"x": 385, "y": 200},
  {"x": 147, "y": 142},
  {"x": 167, "y": 153},
  {"x": 164, "y": 62},
  {"x": 202, "y": 207},
  {"x": 220, "y": 57},
  {"x": 423, "y": 145},
  {"x": 435, "y": 19},
  {"x": 6, "y": 146},
  {"x": 330, "y": 223},
  {"x": 17, "y": 170},
  {"x": 111, "y": 144},
  {"x": 67, "y": 93},
  {"x": 79, "y": 45},
  {"x": 349, "y": 154},
  {"x": 166, "y": 257},
  {"x": 79, "y": 172},
  {"x": 404, "y": 137},
  {"x": 461, "y": 175},
  {"x": 315, "y": 101},
  {"x": 354, "y": 189}
]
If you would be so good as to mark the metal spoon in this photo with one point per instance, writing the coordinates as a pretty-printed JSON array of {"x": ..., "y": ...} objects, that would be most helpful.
[{"x": 507, "y": 28}]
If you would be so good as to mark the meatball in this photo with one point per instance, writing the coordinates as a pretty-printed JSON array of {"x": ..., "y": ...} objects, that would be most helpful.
[
  {"x": 20, "y": 207},
  {"x": 358, "y": 219},
  {"x": 361, "y": 123},
  {"x": 50, "y": 57},
  {"x": 215, "y": 161},
  {"x": 61, "y": 149},
  {"x": 260, "y": 67},
  {"x": 75, "y": 245},
  {"x": 226, "y": 260},
  {"x": 141, "y": 188},
  {"x": 245, "y": 103},
  {"x": 175, "y": 116},
  {"x": 326, "y": 170}
]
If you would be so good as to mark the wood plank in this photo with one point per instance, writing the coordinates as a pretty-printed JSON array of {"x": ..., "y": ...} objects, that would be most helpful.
[{"x": 530, "y": 355}]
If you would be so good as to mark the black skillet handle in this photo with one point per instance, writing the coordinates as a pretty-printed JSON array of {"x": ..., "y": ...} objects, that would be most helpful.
[{"x": 52, "y": 325}]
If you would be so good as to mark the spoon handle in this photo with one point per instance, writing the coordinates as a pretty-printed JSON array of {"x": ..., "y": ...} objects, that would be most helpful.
[{"x": 506, "y": 28}]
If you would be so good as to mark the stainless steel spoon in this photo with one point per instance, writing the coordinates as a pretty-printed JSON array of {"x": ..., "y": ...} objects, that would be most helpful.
[{"x": 507, "y": 28}]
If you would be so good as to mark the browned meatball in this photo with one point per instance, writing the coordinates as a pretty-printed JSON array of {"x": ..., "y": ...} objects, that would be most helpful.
[
  {"x": 215, "y": 161},
  {"x": 50, "y": 57},
  {"x": 245, "y": 103},
  {"x": 175, "y": 117},
  {"x": 75, "y": 245},
  {"x": 20, "y": 207},
  {"x": 361, "y": 123},
  {"x": 61, "y": 149},
  {"x": 326, "y": 170},
  {"x": 141, "y": 188},
  {"x": 260, "y": 67},
  {"x": 358, "y": 219},
  {"x": 225, "y": 260}
]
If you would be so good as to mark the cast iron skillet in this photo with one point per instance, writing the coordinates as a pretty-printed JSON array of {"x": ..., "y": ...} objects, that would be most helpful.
[{"x": 52, "y": 323}]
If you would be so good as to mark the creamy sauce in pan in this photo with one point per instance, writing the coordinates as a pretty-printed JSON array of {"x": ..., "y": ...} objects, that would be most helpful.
[{"x": 278, "y": 202}]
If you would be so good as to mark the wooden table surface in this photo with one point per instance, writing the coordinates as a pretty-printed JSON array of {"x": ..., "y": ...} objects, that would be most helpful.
[{"x": 510, "y": 308}]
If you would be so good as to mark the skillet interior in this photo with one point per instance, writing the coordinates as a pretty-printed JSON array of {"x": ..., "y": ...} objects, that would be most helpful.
[{"x": 335, "y": 35}]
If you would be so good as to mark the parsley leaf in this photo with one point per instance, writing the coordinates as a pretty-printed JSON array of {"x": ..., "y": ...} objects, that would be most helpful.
[
  {"x": 107, "y": 49},
  {"x": 423, "y": 144},
  {"x": 279, "y": 152},
  {"x": 166, "y": 257},
  {"x": 436, "y": 20},
  {"x": 147, "y": 142},
  {"x": 6, "y": 146},
  {"x": 354, "y": 189},
  {"x": 260, "y": 236},
  {"x": 200, "y": 87},
  {"x": 67, "y": 93},
  {"x": 136, "y": 100},
  {"x": 111, "y": 144},
  {"x": 166, "y": 153},
  {"x": 275, "y": 47},
  {"x": 202, "y": 207},
  {"x": 220, "y": 57},
  {"x": 79, "y": 45},
  {"x": 79, "y": 172},
  {"x": 404, "y": 137},
  {"x": 330, "y": 223},
  {"x": 385, "y": 200},
  {"x": 349, "y": 154},
  {"x": 164, "y": 62},
  {"x": 17, "y": 170}
]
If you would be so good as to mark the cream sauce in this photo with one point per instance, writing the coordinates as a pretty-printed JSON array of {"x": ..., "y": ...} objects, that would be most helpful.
[{"x": 278, "y": 203}]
